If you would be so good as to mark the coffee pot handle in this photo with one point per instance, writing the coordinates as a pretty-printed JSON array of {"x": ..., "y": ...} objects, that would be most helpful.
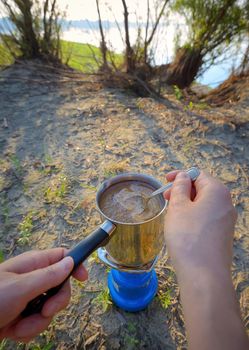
[{"x": 79, "y": 253}]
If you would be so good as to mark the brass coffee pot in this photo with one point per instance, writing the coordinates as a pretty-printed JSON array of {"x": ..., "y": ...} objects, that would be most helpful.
[{"x": 134, "y": 246}]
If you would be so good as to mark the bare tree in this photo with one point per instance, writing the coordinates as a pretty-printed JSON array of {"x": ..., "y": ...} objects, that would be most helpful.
[
  {"x": 48, "y": 24},
  {"x": 149, "y": 38},
  {"x": 103, "y": 46},
  {"x": 37, "y": 28},
  {"x": 129, "y": 53},
  {"x": 244, "y": 66},
  {"x": 23, "y": 21},
  {"x": 137, "y": 55}
]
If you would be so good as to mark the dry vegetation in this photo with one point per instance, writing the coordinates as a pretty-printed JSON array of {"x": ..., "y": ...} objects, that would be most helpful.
[{"x": 234, "y": 89}]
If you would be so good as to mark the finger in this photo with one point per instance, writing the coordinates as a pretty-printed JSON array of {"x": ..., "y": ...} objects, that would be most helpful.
[
  {"x": 212, "y": 190},
  {"x": 41, "y": 280},
  {"x": 172, "y": 175},
  {"x": 181, "y": 189},
  {"x": 58, "y": 302},
  {"x": 29, "y": 327},
  {"x": 205, "y": 183},
  {"x": 33, "y": 260},
  {"x": 168, "y": 193},
  {"x": 80, "y": 273}
]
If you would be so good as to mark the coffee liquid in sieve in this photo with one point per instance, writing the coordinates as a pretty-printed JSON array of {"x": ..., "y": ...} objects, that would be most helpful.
[{"x": 122, "y": 202}]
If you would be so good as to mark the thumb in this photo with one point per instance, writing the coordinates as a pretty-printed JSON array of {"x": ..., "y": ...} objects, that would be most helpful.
[
  {"x": 39, "y": 281},
  {"x": 181, "y": 189}
]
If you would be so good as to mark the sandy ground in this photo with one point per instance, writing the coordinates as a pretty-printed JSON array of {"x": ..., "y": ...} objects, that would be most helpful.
[{"x": 59, "y": 139}]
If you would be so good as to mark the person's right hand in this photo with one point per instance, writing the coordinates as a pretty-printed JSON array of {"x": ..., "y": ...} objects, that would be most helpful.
[
  {"x": 199, "y": 224},
  {"x": 199, "y": 233}
]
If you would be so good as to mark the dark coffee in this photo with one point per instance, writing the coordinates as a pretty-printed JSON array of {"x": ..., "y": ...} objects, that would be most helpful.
[{"x": 123, "y": 202}]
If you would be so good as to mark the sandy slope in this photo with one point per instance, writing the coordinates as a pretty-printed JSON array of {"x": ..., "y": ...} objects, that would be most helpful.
[{"x": 60, "y": 134}]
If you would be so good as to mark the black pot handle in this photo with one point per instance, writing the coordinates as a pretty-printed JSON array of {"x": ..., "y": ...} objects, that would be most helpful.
[{"x": 79, "y": 253}]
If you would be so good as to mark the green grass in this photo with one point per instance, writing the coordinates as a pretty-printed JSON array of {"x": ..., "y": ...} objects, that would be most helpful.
[
  {"x": 83, "y": 57},
  {"x": 193, "y": 105},
  {"x": 5, "y": 56},
  {"x": 80, "y": 56},
  {"x": 130, "y": 340},
  {"x": 103, "y": 299},
  {"x": 47, "y": 346},
  {"x": 25, "y": 227},
  {"x": 165, "y": 298},
  {"x": 3, "y": 343},
  {"x": 178, "y": 92},
  {"x": 1, "y": 256},
  {"x": 94, "y": 257},
  {"x": 58, "y": 191},
  {"x": 76, "y": 55},
  {"x": 16, "y": 164},
  {"x": 89, "y": 187}
]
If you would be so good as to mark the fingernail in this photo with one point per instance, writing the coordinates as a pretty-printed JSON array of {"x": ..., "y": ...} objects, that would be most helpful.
[
  {"x": 182, "y": 175},
  {"x": 66, "y": 263}
]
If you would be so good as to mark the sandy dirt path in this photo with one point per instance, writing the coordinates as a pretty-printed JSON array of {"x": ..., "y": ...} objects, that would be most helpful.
[{"x": 58, "y": 141}]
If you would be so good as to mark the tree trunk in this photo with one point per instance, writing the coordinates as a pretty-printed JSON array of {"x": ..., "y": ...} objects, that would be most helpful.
[
  {"x": 147, "y": 40},
  {"x": 29, "y": 37},
  {"x": 244, "y": 66},
  {"x": 183, "y": 70},
  {"x": 103, "y": 46},
  {"x": 129, "y": 53},
  {"x": 36, "y": 34}
]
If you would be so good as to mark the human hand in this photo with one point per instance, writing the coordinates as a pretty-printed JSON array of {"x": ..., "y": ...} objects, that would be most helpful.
[
  {"x": 199, "y": 223},
  {"x": 23, "y": 278},
  {"x": 199, "y": 232}
]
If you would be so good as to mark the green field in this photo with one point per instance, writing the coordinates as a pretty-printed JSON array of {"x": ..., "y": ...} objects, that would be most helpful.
[
  {"x": 83, "y": 57},
  {"x": 5, "y": 56}
]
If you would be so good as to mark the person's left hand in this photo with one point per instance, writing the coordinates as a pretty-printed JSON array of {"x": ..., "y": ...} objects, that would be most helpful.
[{"x": 23, "y": 278}]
